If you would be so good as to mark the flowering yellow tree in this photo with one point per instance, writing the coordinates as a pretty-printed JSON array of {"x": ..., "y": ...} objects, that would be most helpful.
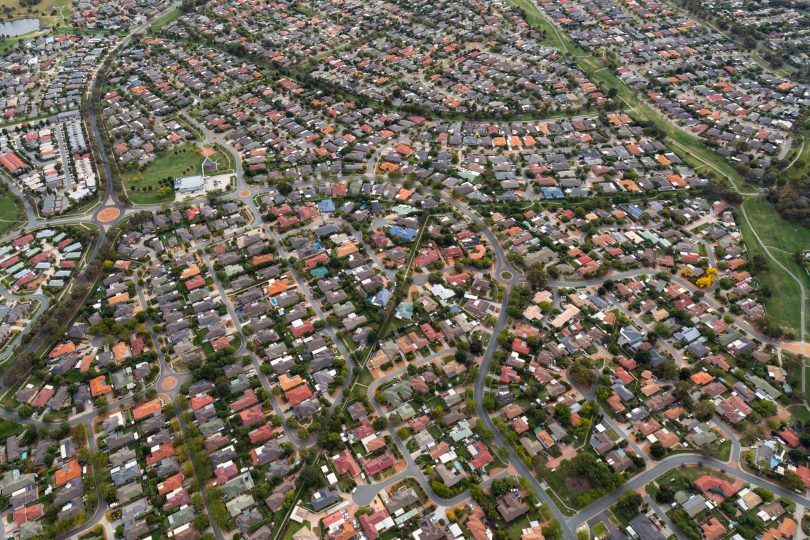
[{"x": 704, "y": 282}]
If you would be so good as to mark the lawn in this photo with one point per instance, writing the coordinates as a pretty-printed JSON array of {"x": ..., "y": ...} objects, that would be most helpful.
[
  {"x": 8, "y": 428},
  {"x": 688, "y": 474},
  {"x": 154, "y": 184},
  {"x": 783, "y": 239},
  {"x": 799, "y": 413},
  {"x": 514, "y": 529},
  {"x": 801, "y": 165},
  {"x": 11, "y": 210},
  {"x": 723, "y": 451},
  {"x": 171, "y": 16},
  {"x": 292, "y": 528},
  {"x": 360, "y": 387}
]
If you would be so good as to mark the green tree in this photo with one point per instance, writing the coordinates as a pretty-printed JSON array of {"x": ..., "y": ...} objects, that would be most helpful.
[
  {"x": 657, "y": 450},
  {"x": 704, "y": 410},
  {"x": 628, "y": 506}
]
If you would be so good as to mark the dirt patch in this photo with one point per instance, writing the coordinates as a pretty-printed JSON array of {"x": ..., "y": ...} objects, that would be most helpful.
[
  {"x": 796, "y": 347},
  {"x": 577, "y": 484},
  {"x": 568, "y": 453},
  {"x": 208, "y": 151}
]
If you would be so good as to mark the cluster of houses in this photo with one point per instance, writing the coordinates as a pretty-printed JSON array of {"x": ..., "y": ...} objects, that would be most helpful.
[
  {"x": 168, "y": 75},
  {"x": 282, "y": 33},
  {"x": 51, "y": 163},
  {"x": 14, "y": 318},
  {"x": 777, "y": 27},
  {"x": 49, "y": 73},
  {"x": 694, "y": 74},
  {"x": 654, "y": 317},
  {"x": 115, "y": 16},
  {"x": 472, "y": 62},
  {"x": 43, "y": 483},
  {"x": 713, "y": 504},
  {"x": 181, "y": 285},
  {"x": 432, "y": 407},
  {"x": 552, "y": 160},
  {"x": 100, "y": 357},
  {"x": 41, "y": 259},
  {"x": 138, "y": 135},
  {"x": 245, "y": 450},
  {"x": 281, "y": 324},
  {"x": 303, "y": 131},
  {"x": 139, "y": 442}
]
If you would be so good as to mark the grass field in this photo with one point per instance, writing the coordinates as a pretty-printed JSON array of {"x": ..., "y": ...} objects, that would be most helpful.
[
  {"x": 799, "y": 413},
  {"x": 723, "y": 451},
  {"x": 12, "y": 213},
  {"x": 154, "y": 184},
  {"x": 49, "y": 12},
  {"x": 783, "y": 239},
  {"x": 8, "y": 428},
  {"x": 173, "y": 15}
]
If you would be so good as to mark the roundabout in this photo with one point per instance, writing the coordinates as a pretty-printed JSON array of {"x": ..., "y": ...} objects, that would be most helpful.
[{"x": 108, "y": 214}]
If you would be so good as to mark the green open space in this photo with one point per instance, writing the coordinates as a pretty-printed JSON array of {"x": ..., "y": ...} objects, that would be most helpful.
[
  {"x": 155, "y": 182},
  {"x": 12, "y": 213},
  {"x": 293, "y": 527},
  {"x": 723, "y": 451},
  {"x": 783, "y": 240},
  {"x": 49, "y": 12},
  {"x": 8, "y": 428},
  {"x": 799, "y": 413},
  {"x": 171, "y": 16}
]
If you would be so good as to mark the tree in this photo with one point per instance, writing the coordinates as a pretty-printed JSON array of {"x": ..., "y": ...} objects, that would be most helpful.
[
  {"x": 657, "y": 450},
  {"x": 502, "y": 486},
  {"x": 537, "y": 276},
  {"x": 665, "y": 494},
  {"x": 704, "y": 410},
  {"x": 662, "y": 330},
  {"x": 562, "y": 413},
  {"x": 25, "y": 410},
  {"x": 582, "y": 374},
  {"x": 628, "y": 506},
  {"x": 311, "y": 477},
  {"x": 764, "y": 407},
  {"x": 552, "y": 531},
  {"x": 793, "y": 481},
  {"x": 666, "y": 371},
  {"x": 330, "y": 441}
]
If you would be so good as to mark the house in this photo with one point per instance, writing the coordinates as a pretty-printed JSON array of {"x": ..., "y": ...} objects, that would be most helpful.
[
  {"x": 510, "y": 507},
  {"x": 323, "y": 499}
]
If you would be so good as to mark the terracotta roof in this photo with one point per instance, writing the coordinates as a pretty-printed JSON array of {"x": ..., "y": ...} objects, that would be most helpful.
[
  {"x": 68, "y": 472},
  {"x": 147, "y": 409}
]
